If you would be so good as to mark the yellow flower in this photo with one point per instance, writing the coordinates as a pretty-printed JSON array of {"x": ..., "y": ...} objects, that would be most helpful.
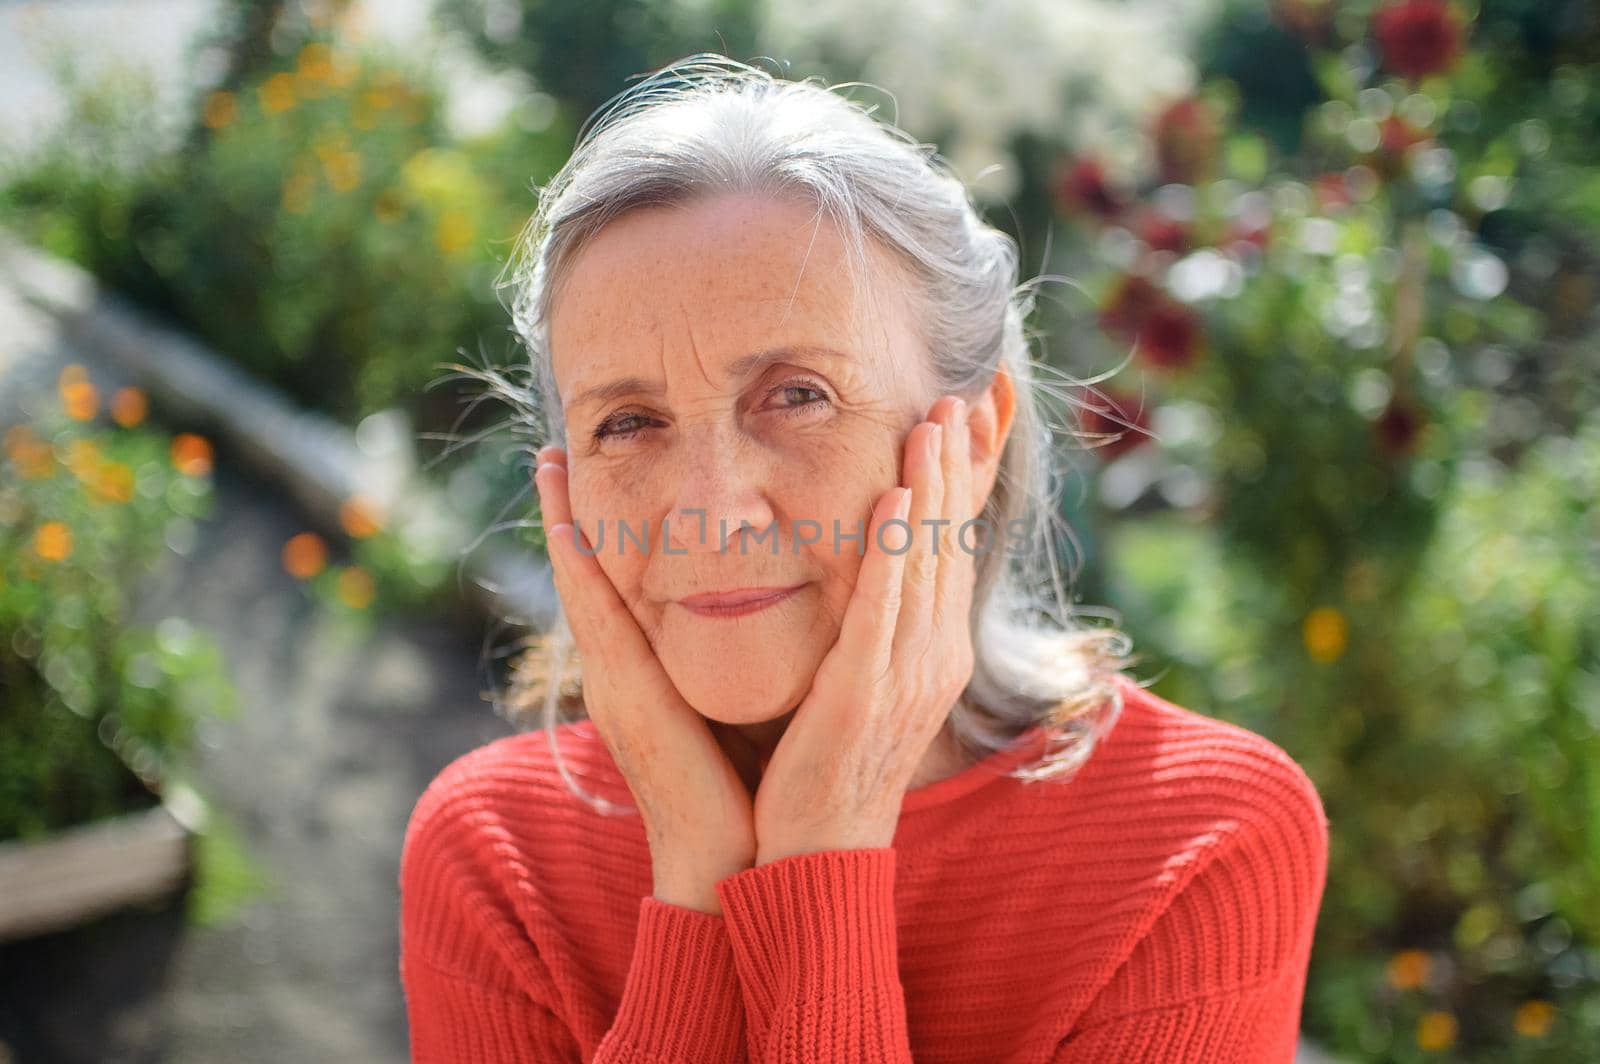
[
  {"x": 83, "y": 458},
  {"x": 356, "y": 588},
  {"x": 315, "y": 61},
  {"x": 1408, "y": 969},
  {"x": 191, "y": 454},
  {"x": 52, "y": 541},
  {"x": 305, "y": 555},
  {"x": 277, "y": 93},
  {"x": 1436, "y": 1030},
  {"x": 297, "y": 191},
  {"x": 220, "y": 109},
  {"x": 453, "y": 233},
  {"x": 343, "y": 169},
  {"x": 1534, "y": 1018},
  {"x": 388, "y": 206},
  {"x": 128, "y": 407},
  {"x": 1325, "y": 633}
]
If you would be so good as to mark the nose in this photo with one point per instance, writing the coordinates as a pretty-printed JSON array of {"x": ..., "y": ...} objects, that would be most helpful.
[{"x": 720, "y": 500}]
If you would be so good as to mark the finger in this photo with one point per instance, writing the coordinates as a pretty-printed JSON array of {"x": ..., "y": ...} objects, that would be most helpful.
[
  {"x": 956, "y": 566},
  {"x": 921, "y": 568},
  {"x": 553, "y": 453},
  {"x": 871, "y": 615},
  {"x": 600, "y": 620}
]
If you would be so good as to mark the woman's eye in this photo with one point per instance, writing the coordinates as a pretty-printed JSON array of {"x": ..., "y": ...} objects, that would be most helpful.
[
  {"x": 803, "y": 389},
  {"x": 620, "y": 426},
  {"x": 798, "y": 397}
]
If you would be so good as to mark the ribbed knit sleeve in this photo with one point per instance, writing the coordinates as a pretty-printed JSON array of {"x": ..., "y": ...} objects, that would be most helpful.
[
  {"x": 682, "y": 999},
  {"x": 814, "y": 939},
  {"x": 477, "y": 989},
  {"x": 1254, "y": 1025}
]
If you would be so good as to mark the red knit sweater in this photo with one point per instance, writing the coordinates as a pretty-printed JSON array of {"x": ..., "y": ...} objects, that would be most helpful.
[{"x": 1157, "y": 907}]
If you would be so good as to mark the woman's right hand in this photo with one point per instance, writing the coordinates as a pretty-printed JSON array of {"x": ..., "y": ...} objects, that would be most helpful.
[{"x": 697, "y": 811}]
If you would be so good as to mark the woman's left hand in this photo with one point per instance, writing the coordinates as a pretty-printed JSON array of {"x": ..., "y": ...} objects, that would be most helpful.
[{"x": 903, "y": 657}]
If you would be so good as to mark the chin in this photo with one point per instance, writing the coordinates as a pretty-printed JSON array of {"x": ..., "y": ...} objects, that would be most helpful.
[{"x": 753, "y": 694}]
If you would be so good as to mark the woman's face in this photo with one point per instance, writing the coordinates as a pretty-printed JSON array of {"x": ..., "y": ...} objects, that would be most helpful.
[{"x": 715, "y": 374}]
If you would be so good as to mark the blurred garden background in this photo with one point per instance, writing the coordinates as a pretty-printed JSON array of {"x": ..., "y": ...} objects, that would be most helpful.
[{"x": 1332, "y": 267}]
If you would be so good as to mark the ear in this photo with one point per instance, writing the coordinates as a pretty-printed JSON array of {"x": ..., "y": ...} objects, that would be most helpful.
[{"x": 989, "y": 418}]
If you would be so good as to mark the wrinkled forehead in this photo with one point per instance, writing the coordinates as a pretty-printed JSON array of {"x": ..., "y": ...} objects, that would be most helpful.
[{"x": 662, "y": 290}]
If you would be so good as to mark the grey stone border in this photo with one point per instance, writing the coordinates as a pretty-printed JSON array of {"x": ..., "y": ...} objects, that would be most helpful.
[{"x": 317, "y": 461}]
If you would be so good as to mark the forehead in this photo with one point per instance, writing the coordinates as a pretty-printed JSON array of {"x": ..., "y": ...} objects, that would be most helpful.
[{"x": 715, "y": 280}]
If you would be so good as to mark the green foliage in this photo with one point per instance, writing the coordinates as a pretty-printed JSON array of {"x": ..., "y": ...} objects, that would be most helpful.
[
  {"x": 100, "y": 711},
  {"x": 327, "y": 232},
  {"x": 1383, "y": 545},
  {"x": 585, "y": 51}
]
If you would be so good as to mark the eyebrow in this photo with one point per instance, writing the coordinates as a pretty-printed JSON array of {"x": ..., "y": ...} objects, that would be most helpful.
[{"x": 740, "y": 368}]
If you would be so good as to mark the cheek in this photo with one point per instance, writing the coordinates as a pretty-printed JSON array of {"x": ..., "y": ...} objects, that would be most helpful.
[{"x": 838, "y": 480}]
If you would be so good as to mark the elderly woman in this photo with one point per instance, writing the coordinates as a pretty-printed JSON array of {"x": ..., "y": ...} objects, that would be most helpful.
[{"x": 891, "y": 805}]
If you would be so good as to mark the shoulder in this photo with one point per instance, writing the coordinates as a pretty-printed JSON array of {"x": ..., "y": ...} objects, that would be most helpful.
[
  {"x": 494, "y": 836},
  {"x": 518, "y": 772},
  {"x": 1211, "y": 774},
  {"x": 1231, "y": 827}
]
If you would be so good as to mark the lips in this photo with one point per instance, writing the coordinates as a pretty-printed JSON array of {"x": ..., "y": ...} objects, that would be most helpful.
[{"x": 740, "y": 597}]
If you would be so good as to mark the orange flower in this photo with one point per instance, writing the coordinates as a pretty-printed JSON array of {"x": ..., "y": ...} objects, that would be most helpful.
[
  {"x": 79, "y": 397},
  {"x": 1408, "y": 968},
  {"x": 359, "y": 518},
  {"x": 305, "y": 555},
  {"x": 220, "y": 109},
  {"x": 191, "y": 454},
  {"x": 52, "y": 541},
  {"x": 1534, "y": 1018},
  {"x": 30, "y": 454},
  {"x": 1436, "y": 1030},
  {"x": 1325, "y": 635},
  {"x": 356, "y": 588},
  {"x": 128, "y": 407},
  {"x": 19, "y": 437},
  {"x": 114, "y": 482}
]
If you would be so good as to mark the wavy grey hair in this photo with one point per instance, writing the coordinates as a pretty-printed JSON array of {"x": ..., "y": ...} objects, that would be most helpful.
[{"x": 709, "y": 124}]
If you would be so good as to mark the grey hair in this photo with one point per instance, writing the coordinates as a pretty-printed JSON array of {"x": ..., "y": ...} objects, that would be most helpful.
[{"x": 709, "y": 124}]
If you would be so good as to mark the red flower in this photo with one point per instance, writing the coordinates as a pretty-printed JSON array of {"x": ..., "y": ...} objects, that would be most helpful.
[
  {"x": 1083, "y": 187},
  {"x": 1166, "y": 332},
  {"x": 1243, "y": 232},
  {"x": 1418, "y": 37},
  {"x": 1170, "y": 338},
  {"x": 1331, "y": 191},
  {"x": 1130, "y": 304},
  {"x": 1311, "y": 20},
  {"x": 1115, "y": 423},
  {"x": 1186, "y": 135},
  {"x": 1396, "y": 135},
  {"x": 1398, "y": 428},
  {"x": 1161, "y": 232}
]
